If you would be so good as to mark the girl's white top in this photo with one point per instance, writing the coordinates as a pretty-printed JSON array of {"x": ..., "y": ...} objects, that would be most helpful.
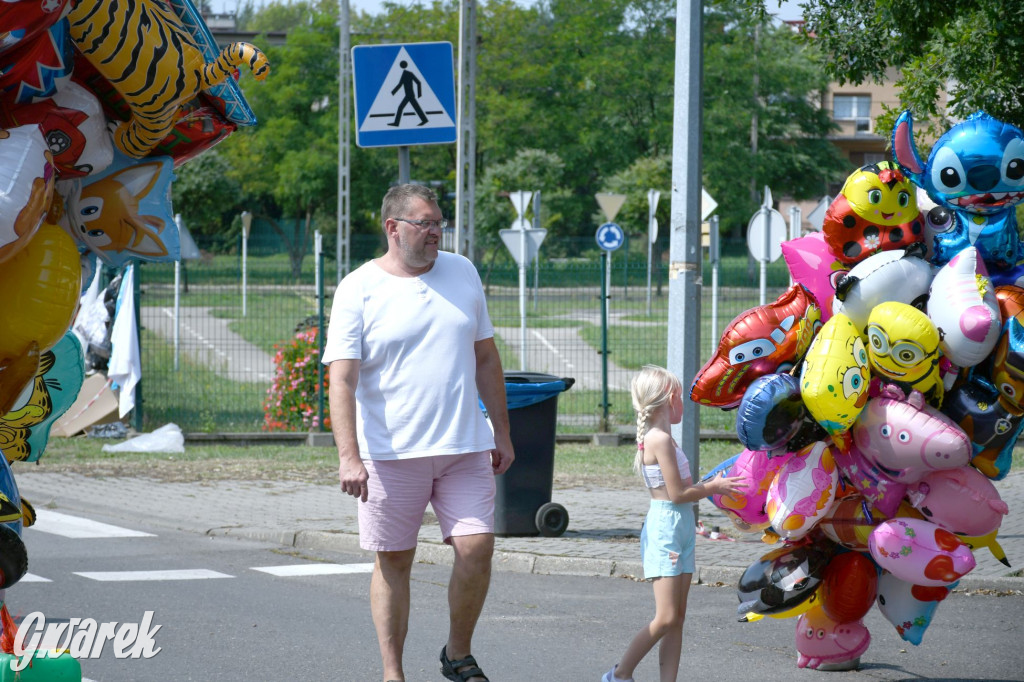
[{"x": 651, "y": 473}]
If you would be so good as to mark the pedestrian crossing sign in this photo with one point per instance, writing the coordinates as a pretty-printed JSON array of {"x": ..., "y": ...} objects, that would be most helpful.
[{"x": 404, "y": 94}]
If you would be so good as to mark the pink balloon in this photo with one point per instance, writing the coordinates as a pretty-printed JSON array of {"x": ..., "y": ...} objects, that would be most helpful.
[
  {"x": 819, "y": 639},
  {"x": 962, "y": 500},
  {"x": 803, "y": 491},
  {"x": 920, "y": 552},
  {"x": 812, "y": 264},
  {"x": 745, "y": 508}
]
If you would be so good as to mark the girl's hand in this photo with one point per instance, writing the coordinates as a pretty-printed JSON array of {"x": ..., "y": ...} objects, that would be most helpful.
[{"x": 725, "y": 485}]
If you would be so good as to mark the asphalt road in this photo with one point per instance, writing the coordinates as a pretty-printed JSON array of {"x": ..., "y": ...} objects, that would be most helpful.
[{"x": 240, "y": 622}]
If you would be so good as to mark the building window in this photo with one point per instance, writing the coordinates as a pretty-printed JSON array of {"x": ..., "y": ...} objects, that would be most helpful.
[
  {"x": 856, "y": 108},
  {"x": 861, "y": 159}
]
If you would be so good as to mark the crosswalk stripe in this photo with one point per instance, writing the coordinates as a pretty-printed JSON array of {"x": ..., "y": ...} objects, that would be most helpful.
[
  {"x": 33, "y": 578},
  {"x": 126, "y": 576},
  {"x": 314, "y": 569},
  {"x": 76, "y": 527}
]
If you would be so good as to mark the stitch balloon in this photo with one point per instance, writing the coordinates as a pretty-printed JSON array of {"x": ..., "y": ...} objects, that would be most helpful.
[
  {"x": 964, "y": 309},
  {"x": 974, "y": 172},
  {"x": 962, "y": 500},
  {"x": 903, "y": 349},
  {"x": 766, "y": 339},
  {"x": 900, "y": 275},
  {"x": 41, "y": 284},
  {"x": 123, "y": 212},
  {"x": 821, "y": 640},
  {"x": 907, "y": 439},
  {"x": 920, "y": 552},
  {"x": 834, "y": 376},
  {"x": 910, "y": 608},
  {"x": 802, "y": 491},
  {"x": 26, "y": 179},
  {"x": 848, "y": 587},
  {"x": 876, "y": 210}
]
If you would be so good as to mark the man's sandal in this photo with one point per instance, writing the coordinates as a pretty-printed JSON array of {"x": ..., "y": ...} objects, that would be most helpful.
[{"x": 450, "y": 669}]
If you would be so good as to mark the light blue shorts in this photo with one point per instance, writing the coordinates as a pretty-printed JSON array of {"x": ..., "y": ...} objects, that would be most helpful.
[{"x": 667, "y": 539}]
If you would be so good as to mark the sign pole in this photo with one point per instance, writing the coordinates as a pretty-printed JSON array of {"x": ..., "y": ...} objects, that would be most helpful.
[
  {"x": 404, "y": 172},
  {"x": 765, "y": 256},
  {"x": 605, "y": 286},
  {"x": 714, "y": 275},
  {"x": 246, "y": 225}
]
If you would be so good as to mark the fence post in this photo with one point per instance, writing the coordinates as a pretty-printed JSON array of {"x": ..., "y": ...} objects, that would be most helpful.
[
  {"x": 320, "y": 329},
  {"x": 138, "y": 335}
]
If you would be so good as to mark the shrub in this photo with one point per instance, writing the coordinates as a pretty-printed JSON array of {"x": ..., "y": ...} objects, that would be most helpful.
[{"x": 293, "y": 403}]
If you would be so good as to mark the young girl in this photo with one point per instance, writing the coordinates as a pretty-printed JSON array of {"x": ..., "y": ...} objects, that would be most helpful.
[{"x": 667, "y": 538}]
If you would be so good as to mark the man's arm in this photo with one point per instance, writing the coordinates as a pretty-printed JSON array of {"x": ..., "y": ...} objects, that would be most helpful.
[
  {"x": 344, "y": 376},
  {"x": 490, "y": 384}
]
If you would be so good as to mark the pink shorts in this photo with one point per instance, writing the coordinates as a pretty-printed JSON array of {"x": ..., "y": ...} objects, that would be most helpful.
[{"x": 460, "y": 488}]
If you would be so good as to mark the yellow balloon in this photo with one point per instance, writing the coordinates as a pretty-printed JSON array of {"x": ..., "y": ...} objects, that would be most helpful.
[
  {"x": 834, "y": 379},
  {"x": 41, "y": 284}
]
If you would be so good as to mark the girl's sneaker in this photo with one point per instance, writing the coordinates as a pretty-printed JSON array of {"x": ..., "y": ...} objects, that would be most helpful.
[{"x": 610, "y": 676}]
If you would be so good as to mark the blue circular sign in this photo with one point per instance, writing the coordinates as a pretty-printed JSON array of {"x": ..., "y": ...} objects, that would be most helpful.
[{"x": 610, "y": 236}]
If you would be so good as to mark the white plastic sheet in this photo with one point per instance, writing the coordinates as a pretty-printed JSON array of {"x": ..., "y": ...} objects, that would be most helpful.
[{"x": 168, "y": 438}]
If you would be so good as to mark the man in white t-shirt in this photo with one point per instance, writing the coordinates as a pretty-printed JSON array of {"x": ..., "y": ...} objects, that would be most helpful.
[{"x": 411, "y": 348}]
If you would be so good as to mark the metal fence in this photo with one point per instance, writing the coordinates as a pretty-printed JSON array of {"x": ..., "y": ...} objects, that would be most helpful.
[{"x": 208, "y": 343}]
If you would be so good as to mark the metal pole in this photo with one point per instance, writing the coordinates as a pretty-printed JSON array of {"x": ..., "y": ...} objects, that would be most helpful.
[
  {"x": 684, "y": 281},
  {"x": 404, "y": 171},
  {"x": 319, "y": 248},
  {"x": 343, "y": 251},
  {"x": 795, "y": 218},
  {"x": 177, "y": 309},
  {"x": 245, "y": 253},
  {"x": 714, "y": 275},
  {"x": 465, "y": 162},
  {"x": 536, "y": 260},
  {"x": 522, "y": 296},
  {"x": 765, "y": 256},
  {"x": 605, "y": 288}
]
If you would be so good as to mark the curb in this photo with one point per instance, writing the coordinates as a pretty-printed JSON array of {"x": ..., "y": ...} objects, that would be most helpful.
[{"x": 544, "y": 564}]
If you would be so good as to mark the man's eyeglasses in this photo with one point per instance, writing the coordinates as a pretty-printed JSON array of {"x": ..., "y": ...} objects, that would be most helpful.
[{"x": 426, "y": 224}]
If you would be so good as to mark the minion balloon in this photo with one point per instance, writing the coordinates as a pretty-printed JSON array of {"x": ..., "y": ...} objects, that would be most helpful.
[{"x": 903, "y": 349}]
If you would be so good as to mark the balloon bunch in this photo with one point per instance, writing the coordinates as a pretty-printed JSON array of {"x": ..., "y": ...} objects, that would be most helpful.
[
  {"x": 879, "y": 397},
  {"x": 99, "y": 101}
]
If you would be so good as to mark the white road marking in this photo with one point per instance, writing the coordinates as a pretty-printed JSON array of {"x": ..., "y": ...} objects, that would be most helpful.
[
  {"x": 133, "y": 576},
  {"x": 76, "y": 527},
  {"x": 314, "y": 569},
  {"x": 33, "y": 578}
]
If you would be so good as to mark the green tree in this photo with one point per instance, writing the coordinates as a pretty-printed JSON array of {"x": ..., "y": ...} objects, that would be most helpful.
[
  {"x": 972, "y": 48},
  {"x": 754, "y": 71},
  {"x": 288, "y": 162},
  {"x": 207, "y": 196}
]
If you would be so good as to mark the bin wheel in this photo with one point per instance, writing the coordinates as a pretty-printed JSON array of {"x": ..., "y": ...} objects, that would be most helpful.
[{"x": 552, "y": 519}]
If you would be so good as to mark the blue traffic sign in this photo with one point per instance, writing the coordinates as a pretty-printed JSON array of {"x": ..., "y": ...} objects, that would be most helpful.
[
  {"x": 404, "y": 94},
  {"x": 610, "y": 236}
]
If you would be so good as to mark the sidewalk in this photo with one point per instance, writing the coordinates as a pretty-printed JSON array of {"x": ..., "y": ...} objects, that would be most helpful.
[{"x": 602, "y": 538}]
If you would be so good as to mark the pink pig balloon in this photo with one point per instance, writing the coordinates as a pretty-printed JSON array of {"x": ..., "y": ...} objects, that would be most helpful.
[
  {"x": 920, "y": 552},
  {"x": 819, "y": 639},
  {"x": 962, "y": 500},
  {"x": 908, "y": 438}
]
